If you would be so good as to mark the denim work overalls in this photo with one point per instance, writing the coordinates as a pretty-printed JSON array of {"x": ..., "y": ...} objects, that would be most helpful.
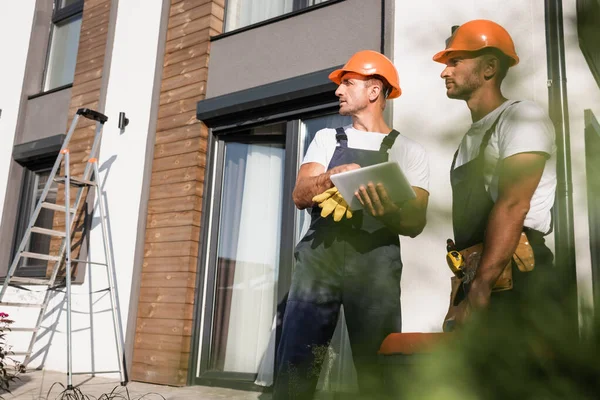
[
  {"x": 471, "y": 208},
  {"x": 355, "y": 262}
]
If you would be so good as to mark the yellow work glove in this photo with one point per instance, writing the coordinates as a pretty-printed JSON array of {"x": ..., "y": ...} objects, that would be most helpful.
[
  {"x": 331, "y": 201},
  {"x": 325, "y": 195}
]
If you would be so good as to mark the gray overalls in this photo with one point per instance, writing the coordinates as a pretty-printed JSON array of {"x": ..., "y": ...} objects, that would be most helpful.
[{"x": 353, "y": 262}]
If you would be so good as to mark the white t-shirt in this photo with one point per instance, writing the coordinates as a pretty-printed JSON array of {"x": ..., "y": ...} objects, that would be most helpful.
[
  {"x": 410, "y": 155},
  {"x": 524, "y": 127}
]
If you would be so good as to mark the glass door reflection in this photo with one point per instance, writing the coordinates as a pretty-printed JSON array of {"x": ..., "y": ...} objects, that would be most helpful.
[{"x": 248, "y": 249}]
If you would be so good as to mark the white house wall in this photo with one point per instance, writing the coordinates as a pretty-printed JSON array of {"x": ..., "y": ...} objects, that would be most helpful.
[
  {"x": 122, "y": 162},
  {"x": 424, "y": 113},
  {"x": 16, "y": 20}
]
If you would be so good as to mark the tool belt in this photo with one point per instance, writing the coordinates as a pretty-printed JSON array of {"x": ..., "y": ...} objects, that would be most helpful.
[
  {"x": 523, "y": 258},
  {"x": 504, "y": 281}
]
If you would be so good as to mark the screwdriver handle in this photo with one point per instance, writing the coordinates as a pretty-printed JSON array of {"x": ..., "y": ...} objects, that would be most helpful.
[{"x": 450, "y": 246}]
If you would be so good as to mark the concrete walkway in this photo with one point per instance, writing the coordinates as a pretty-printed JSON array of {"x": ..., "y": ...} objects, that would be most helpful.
[{"x": 37, "y": 385}]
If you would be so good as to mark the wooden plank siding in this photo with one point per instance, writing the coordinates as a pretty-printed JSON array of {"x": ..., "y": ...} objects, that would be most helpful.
[
  {"x": 86, "y": 92},
  {"x": 169, "y": 269}
]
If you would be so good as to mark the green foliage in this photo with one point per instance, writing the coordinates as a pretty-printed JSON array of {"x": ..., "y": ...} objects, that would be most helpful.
[
  {"x": 533, "y": 349},
  {"x": 9, "y": 368}
]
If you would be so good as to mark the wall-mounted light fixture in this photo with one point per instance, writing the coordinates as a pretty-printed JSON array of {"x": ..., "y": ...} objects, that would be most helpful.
[{"x": 123, "y": 121}]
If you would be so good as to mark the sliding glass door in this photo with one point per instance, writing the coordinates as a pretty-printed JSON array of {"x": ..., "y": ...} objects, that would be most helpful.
[
  {"x": 251, "y": 227},
  {"x": 247, "y": 255},
  {"x": 243, "y": 245}
]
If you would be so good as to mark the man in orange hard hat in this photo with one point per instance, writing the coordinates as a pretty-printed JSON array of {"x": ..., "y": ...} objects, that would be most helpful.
[
  {"x": 350, "y": 258},
  {"x": 504, "y": 172}
]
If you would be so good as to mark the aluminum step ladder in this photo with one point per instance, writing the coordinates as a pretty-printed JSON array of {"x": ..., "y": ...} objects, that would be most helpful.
[{"x": 63, "y": 257}]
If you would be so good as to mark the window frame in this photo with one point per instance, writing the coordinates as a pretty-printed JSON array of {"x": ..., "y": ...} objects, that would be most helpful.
[
  {"x": 588, "y": 17},
  {"x": 295, "y": 12},
  {"x": 63, "y": 13},
  {"x": 210, "y": 237},
  {"x": 289, "y": 101},
  {"x": 26, "y": 207},
  {"x": 592, "y": 167},
  {"x": 33, "y": 157},
  {"x": 199, "y": 371},
  {"x": 59, "y": 15}
]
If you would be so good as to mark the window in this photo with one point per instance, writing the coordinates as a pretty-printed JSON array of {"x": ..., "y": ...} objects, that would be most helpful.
[
  {"x": 64, "y": 42},
  {"x": 241, "y": 13},
  {"x": 37, "y": 159},
  {"x": 65, "y": 3},
  {"x": 250, "y": 227},
  {"x": 254, "y": 228},
  {"x": 247, "y": 243},
  {"x": 588, "y": 30},
  {"x": 33, "y": 186},
  {"x": 592, "y": 161}
]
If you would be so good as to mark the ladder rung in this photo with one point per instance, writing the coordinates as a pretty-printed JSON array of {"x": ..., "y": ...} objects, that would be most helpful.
[
  {"x": 89, "y": 262},
  {"x": 56, "y": 207},
  {"x": 21, "y": 353},
  {"x": 33, "y": 281},
  {"x": 75, "y": 181},
  {"x": 50, "y": 232},
  {"x": 37, "y": 256},
  {"x": 23, "y": 330},
  {"x": 95, "y": 372},
  {"x": 30, "y": 305}
]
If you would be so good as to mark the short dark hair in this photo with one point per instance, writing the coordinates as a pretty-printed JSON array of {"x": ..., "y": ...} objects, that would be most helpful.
[
  {"x": 386, "y": 88},
  {"x": 503, "y": 60}
]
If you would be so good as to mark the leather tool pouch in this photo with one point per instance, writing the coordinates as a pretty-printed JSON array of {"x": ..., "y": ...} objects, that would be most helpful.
[
  {"x": 523, "y": 258},
  {"x": 472, "y": 254},
  {"x": 457, "y": 296}
]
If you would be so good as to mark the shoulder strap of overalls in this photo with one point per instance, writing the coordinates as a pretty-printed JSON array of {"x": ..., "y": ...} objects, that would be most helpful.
[
  {"x": 388, "y": 141},
  {"x": 386, "y": 144},
  {"x": 340, "y": 137},
  {"x": 486, "y": 138}
]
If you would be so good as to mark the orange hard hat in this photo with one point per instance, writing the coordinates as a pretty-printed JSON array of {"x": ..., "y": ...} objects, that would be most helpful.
[
  {"x": 477, "y": 35},
  {"x": 369, "y": 63}
]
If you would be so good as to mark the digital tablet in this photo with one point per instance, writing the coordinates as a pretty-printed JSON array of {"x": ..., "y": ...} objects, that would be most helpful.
[{"x": 388, "y": 173}]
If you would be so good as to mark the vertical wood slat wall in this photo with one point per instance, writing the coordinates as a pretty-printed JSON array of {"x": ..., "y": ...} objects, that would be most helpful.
[
  {"x": 167, "y": 287},
  {"x": 86, "y": 92}
]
